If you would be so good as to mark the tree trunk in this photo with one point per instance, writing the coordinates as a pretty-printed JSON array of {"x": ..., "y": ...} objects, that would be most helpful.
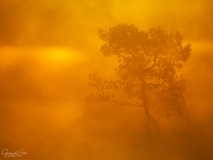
[{"x": 153, "y": 121}]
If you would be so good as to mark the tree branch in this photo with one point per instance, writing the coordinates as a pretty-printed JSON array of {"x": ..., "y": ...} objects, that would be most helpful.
[
  {"x": 114, "y": 101},
  {"x": 155, "y": 59}
]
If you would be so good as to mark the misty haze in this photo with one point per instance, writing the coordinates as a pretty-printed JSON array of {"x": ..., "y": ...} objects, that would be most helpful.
[{"x": 106, "y": 80}]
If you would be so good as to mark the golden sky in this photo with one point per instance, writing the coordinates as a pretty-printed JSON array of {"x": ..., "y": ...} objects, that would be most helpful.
[
  {"x": 74, "y": 23},
  {"x": 49, "y": 47}
]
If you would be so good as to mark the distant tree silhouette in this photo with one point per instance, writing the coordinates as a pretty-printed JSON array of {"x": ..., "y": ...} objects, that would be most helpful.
[{"x": 148, "y": 70}]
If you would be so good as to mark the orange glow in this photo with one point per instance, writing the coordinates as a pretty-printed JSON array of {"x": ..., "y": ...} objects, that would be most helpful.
[
  {"x": 59, "y": 56},
  {"x": 48, "y": 48}
]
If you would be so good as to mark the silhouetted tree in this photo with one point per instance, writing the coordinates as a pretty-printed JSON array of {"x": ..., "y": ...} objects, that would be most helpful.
[{"x": 148, "y": 70}]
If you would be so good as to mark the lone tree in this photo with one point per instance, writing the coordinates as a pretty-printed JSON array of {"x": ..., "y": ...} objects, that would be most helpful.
[{"x": 148, "y": 70}]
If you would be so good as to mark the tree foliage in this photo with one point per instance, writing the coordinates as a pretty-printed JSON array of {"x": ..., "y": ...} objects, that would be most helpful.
[{"x": 148, "y": 68}]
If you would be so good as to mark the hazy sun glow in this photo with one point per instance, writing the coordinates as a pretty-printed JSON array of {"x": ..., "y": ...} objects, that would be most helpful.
[
  {"x": 55, "y": 55},
  {"x": 59, "y": 55}
]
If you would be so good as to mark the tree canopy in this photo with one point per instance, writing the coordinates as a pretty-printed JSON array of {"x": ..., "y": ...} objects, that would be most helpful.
[{"x": 148, "y": 70}]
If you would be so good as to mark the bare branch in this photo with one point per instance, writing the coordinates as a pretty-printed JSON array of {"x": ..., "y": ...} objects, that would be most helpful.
[
  {"x": 155, "y": 59},
  {"x": 114, "y": 101}
]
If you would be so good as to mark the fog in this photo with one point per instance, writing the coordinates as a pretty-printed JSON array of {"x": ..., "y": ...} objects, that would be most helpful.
[{"x": 48, "y": 49}]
